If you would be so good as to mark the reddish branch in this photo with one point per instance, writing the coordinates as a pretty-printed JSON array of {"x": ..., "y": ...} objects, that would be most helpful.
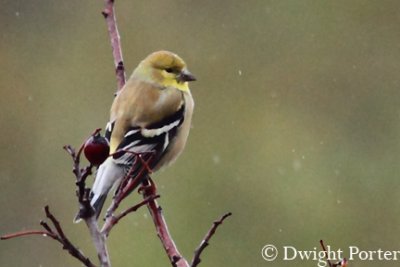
[
  {"x": 129, "y": 183},
  {"x": 114, "y": 219},
  {"x": 113, "y": 33},
  {"x": 163, "y": 233},
  {"x": 168, "y": 243},
  {"x": 57, "y": 234},
  {"x": 27, "y": 232},
  {"x": 205, "y": 242}
]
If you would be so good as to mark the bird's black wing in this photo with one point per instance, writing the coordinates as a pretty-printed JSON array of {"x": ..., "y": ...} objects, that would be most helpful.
[{"x": 154, "y": 140}]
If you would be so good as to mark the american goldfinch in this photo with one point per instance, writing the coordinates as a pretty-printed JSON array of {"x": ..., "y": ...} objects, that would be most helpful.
[{"x": 151, "y": 113}]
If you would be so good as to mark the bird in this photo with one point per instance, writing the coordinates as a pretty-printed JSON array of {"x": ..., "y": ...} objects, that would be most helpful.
[{"x": 152, "y": 113}]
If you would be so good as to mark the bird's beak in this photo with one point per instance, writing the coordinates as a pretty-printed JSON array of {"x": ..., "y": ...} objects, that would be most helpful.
[{"x": 186, "y": 76}]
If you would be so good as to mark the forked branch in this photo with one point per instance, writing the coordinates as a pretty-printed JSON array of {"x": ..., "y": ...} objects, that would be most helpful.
[
  {"x": 86, "y": 211},
  {"x": 175, "y": 257},
  {"x": 55, "y": 232},
  {"x": 205, "y": 242}
]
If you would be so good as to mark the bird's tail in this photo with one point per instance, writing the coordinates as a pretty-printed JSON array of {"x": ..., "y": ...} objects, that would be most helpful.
[
  {"x": 97, "y": 205},
  {"x": 107, "y": 176},
  {"x": 78, "y": 217}
]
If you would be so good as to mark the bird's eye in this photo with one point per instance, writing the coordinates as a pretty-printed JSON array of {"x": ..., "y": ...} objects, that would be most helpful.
[{"x": 169, "y": 70}]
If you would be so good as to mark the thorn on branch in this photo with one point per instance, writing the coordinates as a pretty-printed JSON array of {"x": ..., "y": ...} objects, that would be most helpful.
[
  {"x": 105, "y": 13},
  {"x": 175, "y": 259},
  {"x": 120, "y": 66}
]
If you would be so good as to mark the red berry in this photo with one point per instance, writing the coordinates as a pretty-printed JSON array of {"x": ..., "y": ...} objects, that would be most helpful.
[{"x": 96, "y": 149}]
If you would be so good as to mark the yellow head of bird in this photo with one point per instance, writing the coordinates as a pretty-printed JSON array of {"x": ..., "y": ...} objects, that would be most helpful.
[{"x": 166, "y": 69}]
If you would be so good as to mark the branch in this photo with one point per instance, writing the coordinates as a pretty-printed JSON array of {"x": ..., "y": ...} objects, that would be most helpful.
[
  {"x": 326, "y": 253},
  {"x": 113, "y": 33},
  {"x": 130, "y": 182},
  {"x": 205, "y": 242},
  {"x": 168, "y": 243},
  {"x": 113, "y": 220},
  {"x": 57, "y": 234},
  {"x": 81, "y": 174},
  {"x": 86, "y": 211},
  {"x": 99, "y": 241},
  {"x": 27, "y": 232}
]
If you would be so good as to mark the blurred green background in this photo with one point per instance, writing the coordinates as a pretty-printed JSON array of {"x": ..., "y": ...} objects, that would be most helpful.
[{"x": 296, "y": 127}]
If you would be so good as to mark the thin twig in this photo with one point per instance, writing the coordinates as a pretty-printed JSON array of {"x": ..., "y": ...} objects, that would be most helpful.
[
  {"x": 46, "y": 226},
  {"x": 75, "y": 252},
  {"x": 135, "y": 181},
  {"x": 326, "y": 253},
  {"x": 341, "y": 263},
  {"x": 205, "y": 242},
  {"x": 57, "y": 235},
  {"x": 28, "y": 232},
  {"x": 113, "y": 220},
  {"x": 113, "y": 33},
  {"x": 129, "y": 183}
]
